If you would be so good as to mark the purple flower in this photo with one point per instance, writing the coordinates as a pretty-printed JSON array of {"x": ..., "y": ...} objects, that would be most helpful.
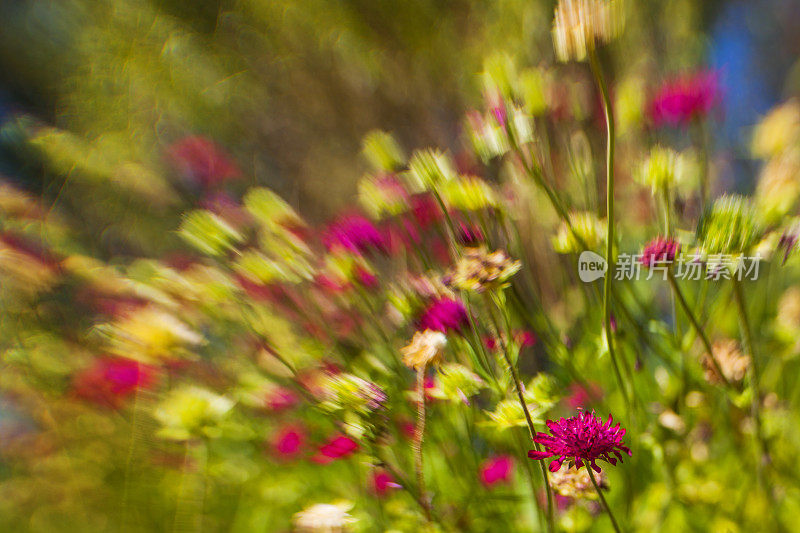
[
  {"x": 580, "y": 440},
  {"x": 355, "y": 233},
  {"x": 659, "y": 251},
  {"x": 444, "y": 315},
  {"x": 679, "y": 101}
]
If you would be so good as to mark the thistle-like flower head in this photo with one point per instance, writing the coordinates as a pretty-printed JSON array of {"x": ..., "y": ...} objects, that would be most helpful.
[
  {"x": 581, "y": 440},
  {"x": 478, "y": 270},
  {"x": 660, "y": 251}
]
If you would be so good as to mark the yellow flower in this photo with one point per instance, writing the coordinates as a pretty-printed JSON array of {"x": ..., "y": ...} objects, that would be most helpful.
[
  {"x": 579, "y": 24},
  {"x": 425, "y": 349},
  {"x": 777, "y": 131}
]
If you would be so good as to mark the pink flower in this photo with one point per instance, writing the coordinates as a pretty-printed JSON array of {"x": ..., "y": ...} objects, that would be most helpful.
[
  {"x": 354, "y": 233},
  {"x": 579, "y": 440},
  {"x": 469, "y": 235},
  {"x": 365, "y": 278},
  {"x": 581, "y": 397},
  {"x": 497, "y": 470},
  {"x": 659, "y": 251},
  {"x": 336, "y": 448},
  {"x": 445, "y": 315},
  {"x": 289, "y": 441},
  {"x": 281, "y": 399},
  {"x": 382, "y": 482},
  {"x": 112, "y": 379},
  {"x": 200, "y": 160},
  {"x": 425, "y": 210},
  {"x": 679, "y": 101}
]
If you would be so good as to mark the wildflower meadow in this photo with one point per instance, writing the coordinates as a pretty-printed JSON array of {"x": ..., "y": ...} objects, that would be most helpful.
[{"x": 271, "y": 266}]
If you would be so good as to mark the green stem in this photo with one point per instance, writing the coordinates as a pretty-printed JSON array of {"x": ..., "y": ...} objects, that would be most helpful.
[
  {"x": 531, "y": 429},
  {"x": 697, "y": 327},
  {"x": 418, "y": 440},
  {"x": 602, "y": 498},
  {"x": 747, "y": 344},
  {"x": 610, "y": 131}
]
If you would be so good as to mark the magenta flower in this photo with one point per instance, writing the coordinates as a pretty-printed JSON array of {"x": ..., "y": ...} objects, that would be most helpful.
[
  {"x": 354, "y": 233},
  {"x": 496, "y": 470},
  {"x": 579, "y": 440},
  {"x": 679, "y": 101},
  {"x": 289, "y": 441},
  {"x": 659, "y": 251},
  {"x": 382, "y": 482},
  {"x": 112, "y": 379},
  {"x": 445, "y": 315},
  {"x": 336, "y": 448}
]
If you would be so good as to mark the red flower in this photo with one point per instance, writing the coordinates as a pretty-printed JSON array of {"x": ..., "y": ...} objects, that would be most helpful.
[
  {"x": 497, "y": 470},
  {"x": 581, "y": 439},
  {"x": 110, "y": 380},
  {"x": 289, "y": 441},
  {"x": 580, "y": 397},
  {"x": 336, "y": 448},
  {"x": 382, "y": 482},
  {"x": 202, "y": 161}
]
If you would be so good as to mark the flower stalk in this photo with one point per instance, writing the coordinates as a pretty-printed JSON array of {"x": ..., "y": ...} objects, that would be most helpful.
[{"x": 603, "y": 500}]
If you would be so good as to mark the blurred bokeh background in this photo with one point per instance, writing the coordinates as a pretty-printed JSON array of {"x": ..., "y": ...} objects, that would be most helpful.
[{"x": 118, "y": 117}]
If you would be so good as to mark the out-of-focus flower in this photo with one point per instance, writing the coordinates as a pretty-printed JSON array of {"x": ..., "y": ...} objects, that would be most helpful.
[
  {"x": 522, "y": 338},
  {"x": 270, "y": 210},
  {"x": 581, "y": 396},
  {"x": 191, "y": 412},
  {"x": 208, "y": 232},
  {"x": 289, "y": 441},
  {"x": 660, "y": 251},
  {"x": 202, "y": 161},
  {"x": 425, "y": 349},
  {"x": 575, "y": 483},
  {"x": 579, "y": 25},
  {"x": 25, "y": 265},
  {"x": 351, "y": 393},
  {"x": 382, "y": 151},
  {"x": 430, "y": 168},
  {"x": 778, "y": 187},
  {"x": 665, "y": 168},
  {"x": 497, "y": 470},
  {"x": 469, "y": 235},
  {"x": 109, "y": 381},
  {"x": 733, "y": 363},
  {"x": 354, "y": 233},
  {"x": 445, "y": 315},
  {"x": 478, "y": 270},
  {"x": 456, "y": 383},
  {"x": 468, "y": 193},
  {"x": 778, "y": 131},
  {"x": 149, "y": 333},
  {"x": 591, "y": 230},
  {"x": 324, "y": 518},
  {"x": 279, "y": 399},
  {"x": 383, "y": 195},
  {"x": 681, "y": 100},
  {"x": 629, "y": 104},
  {"x": 671, "y": 420},
  {"x": 336, "y": 448},
  {"x": 729, "y": 226},
  {"x": 382, "y": 483},
  {"x": 425, "y": 210},
  {"x": 581, "y": 440}
]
